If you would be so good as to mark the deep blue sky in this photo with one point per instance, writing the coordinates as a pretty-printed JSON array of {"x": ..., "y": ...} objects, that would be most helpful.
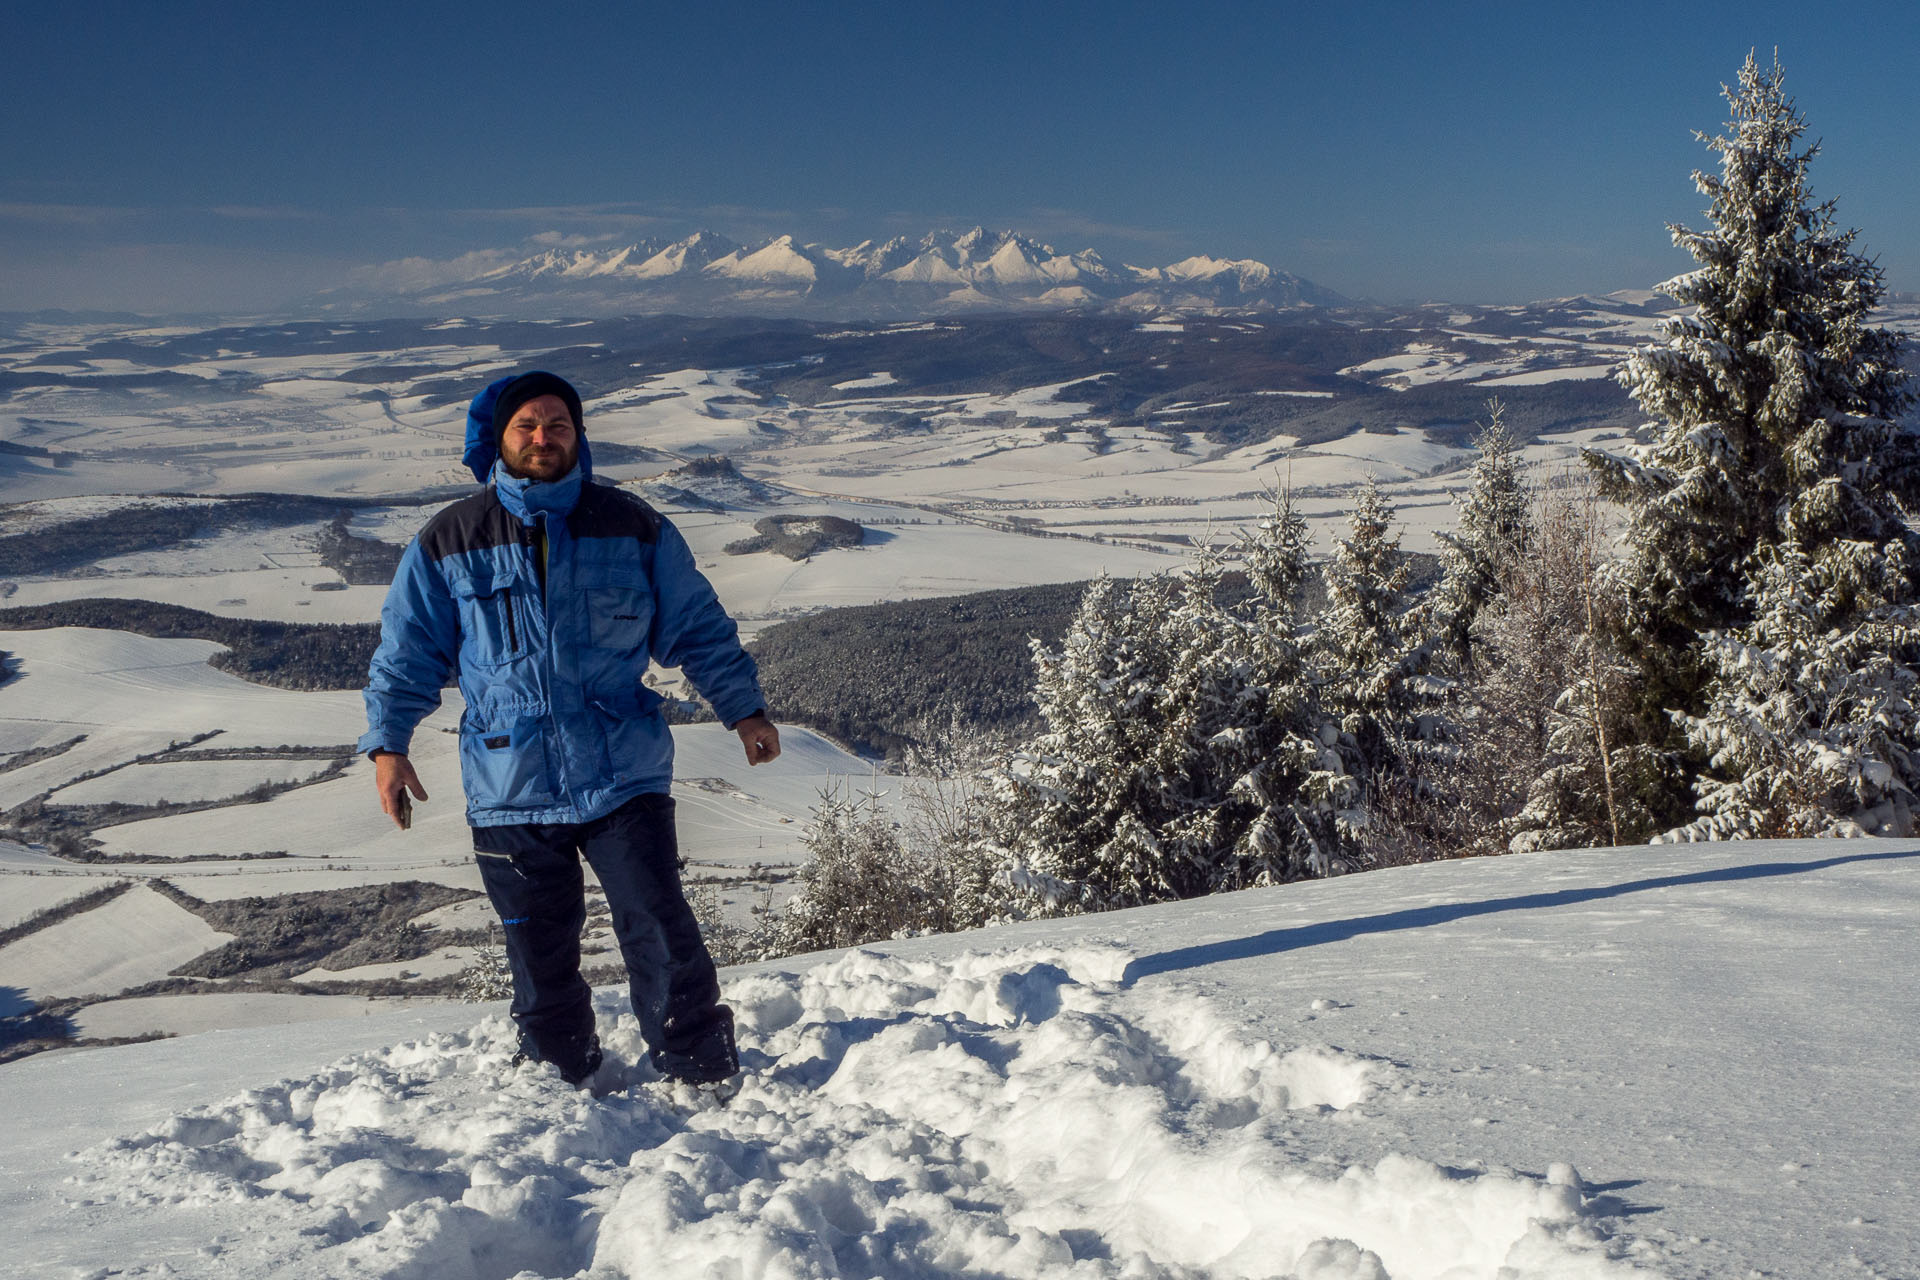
[{"x": 236, "y": 155}]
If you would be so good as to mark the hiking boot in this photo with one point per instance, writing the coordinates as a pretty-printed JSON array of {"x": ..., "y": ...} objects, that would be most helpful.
[
  {"x": 580, "y": 1075},
  {"x": 701, "y": 1095},
  {"x": 577, "y": 1076},
  {"x": 710, "y": 1059}
]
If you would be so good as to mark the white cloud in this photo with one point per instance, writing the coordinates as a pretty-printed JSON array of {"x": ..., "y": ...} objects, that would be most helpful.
[
  {"x": 565, "y": 240},
  {"x": 403, "y": 274}
]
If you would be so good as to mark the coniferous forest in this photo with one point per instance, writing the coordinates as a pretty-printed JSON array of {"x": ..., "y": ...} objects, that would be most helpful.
[{"x": 1714, "y": 636}]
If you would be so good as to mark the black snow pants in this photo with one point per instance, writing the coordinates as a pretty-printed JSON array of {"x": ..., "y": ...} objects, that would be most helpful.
[{"x": 532, "y": 873}]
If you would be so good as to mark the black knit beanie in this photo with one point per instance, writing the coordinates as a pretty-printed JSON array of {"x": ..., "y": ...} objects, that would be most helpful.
[{"x": 531, "y": 386}]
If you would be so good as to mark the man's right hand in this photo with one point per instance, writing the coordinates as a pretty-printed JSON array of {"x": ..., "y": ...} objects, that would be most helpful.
[{"x": 394, "y": 776}]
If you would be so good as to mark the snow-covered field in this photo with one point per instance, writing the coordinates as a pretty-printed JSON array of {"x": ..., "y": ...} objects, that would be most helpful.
[
  {"x": 132, "y": 695},
  {"x": 185, "y": 780},
  {"x": 136, "y": 938},
  {"x": 27, "y": 896},
  {"x": 357, "y": 424},
  {"x": 1686, "y": 1062}
]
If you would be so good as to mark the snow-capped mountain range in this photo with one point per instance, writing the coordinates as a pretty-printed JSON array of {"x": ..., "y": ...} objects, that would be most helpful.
[{"x": 941, "y": 273}]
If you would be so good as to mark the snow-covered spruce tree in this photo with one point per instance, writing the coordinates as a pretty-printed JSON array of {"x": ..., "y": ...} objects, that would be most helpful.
[
  {"x": 1440, "y": 800},
  {"x": 1779, "y": 409},
  {"x": 1278, "y": 554},
  {"x": 1495, "y": 529},
  {"x": 1289, "y": 766},
  {"x": 1812, "y": 727},
  {"x": 1174, "y": 842},
  {"x": 1366, "y": 661},
  {"x": 1064, "y": 798},
  {"x": 1258, "y": 795},
  {"x": 1181, "y": 755}
]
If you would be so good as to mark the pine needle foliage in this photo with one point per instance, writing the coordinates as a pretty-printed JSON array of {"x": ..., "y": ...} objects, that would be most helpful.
[
  {"x": 1184, "y": 752},
  {"x": 1779, "y": 410},
  {"x": 1813, "y": 723},
  {"x": 1495, "y": 530},
  {"x": 1369, "y": 657}
]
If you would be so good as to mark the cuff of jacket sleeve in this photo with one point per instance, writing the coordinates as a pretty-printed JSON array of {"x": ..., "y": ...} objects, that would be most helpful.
[
  {"x": 757, "y": 711},
  {"x": 376, "y": 740}
]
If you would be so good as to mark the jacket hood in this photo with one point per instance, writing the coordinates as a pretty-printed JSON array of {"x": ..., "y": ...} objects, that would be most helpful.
[{"x": 483, "y": 445}]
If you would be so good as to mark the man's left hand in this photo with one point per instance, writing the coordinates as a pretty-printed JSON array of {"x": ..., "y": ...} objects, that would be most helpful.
[{"x": 760, "y": 738}]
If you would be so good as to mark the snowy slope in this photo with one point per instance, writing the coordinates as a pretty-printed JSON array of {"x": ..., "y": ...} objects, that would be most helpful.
[
  {"x": 136, "y": 938},
  {"x": 127, "y": 689},
  {"x": 26, "y": 896},
  {"x": 1687, "y": 1061},
  {"x": 133, "y": 696}
]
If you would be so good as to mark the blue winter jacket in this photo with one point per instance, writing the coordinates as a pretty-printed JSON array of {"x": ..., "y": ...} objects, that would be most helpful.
[{"x": 558, "y": 727}]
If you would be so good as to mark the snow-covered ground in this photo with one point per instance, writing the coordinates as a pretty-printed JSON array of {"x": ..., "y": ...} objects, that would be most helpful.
[
  {"x": 1395, "y": 1074},
  {"x": 185, "y": 780},
  {"x": 133, "y": 696},
  {"x": 1685, "y": 1061},
  {"x": 352, "y": 423},
  {"x": 136, "y": 938},
  {"x": 26, "y": 896}
]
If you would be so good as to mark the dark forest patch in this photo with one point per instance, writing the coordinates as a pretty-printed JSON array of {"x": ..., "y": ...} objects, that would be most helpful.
[
  {"x": 798, "y": 537},
  {"x": 281, "y": 936},
  {"x": 287, "y": 655},
  {"x": 886, "y": 677}
]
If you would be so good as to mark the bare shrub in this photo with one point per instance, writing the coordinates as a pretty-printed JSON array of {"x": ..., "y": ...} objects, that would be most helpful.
[
  {"x": 1533, "y": 714},
  {"x": 874, "y": 875}
]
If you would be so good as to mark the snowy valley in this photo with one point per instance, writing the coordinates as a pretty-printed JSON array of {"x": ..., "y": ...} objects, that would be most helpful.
[{"x": 1684, "y": 1062}]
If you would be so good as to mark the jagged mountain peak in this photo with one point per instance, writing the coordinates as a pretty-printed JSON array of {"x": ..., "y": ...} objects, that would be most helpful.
[
  {"x": 941, "y": 272},
  {"x": 971, "y": 241},
  {"x": 690, "y": 254},
  {"x": 979, "y": 242}
]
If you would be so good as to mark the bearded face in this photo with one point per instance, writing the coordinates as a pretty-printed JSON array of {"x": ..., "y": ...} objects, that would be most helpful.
[{"x": 540, "y": 441}]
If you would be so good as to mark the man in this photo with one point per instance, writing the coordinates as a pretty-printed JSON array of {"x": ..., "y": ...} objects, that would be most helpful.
[{"x": 548, "y": 594}]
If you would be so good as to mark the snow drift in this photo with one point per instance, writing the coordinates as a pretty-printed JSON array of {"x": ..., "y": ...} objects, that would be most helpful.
[{"x": 1009, "y": 1114}]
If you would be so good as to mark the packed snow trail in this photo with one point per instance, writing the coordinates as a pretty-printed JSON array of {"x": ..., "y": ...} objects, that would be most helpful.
[{"x": 1009, "y": 1114}]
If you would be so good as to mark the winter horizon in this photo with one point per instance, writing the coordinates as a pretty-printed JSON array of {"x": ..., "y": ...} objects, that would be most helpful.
[
  {"x": 1417, "y": 793},
  {"x": 201, "y": 161}
]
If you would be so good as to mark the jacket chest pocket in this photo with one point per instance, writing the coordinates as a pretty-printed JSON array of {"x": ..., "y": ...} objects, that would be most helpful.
[
  {"x": 493, "y": 618},
  {"x": 619, "y": 603}
]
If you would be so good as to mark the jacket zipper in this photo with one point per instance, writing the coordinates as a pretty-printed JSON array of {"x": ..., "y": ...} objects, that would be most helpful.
[
  {"x": 534, "y": 557},
  {"x": 513, "y": 634}
]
